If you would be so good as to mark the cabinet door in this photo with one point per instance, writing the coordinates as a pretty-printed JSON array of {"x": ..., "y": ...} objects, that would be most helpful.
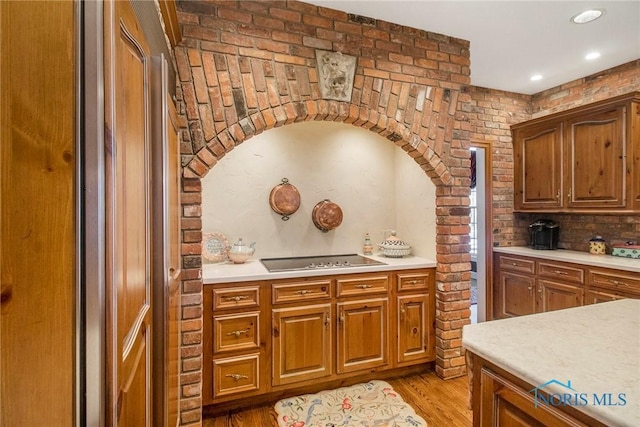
[
  {"x": 363, "y": 335},
  {"x": 301, "y": 343},
  {"x": 415, "y": 342},
  {"x": 556, "y": 296},
  {"x": 597, "y": 160},
  {"x": 514, "y": 295},
  {"x": 538, "y": 167}
]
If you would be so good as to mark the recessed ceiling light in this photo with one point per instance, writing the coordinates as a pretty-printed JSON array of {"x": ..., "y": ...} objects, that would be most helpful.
[
  {"x": 592, "y": 55},
  {"x": 536, "y": 77},
  {"x": 587, "y": 16}
]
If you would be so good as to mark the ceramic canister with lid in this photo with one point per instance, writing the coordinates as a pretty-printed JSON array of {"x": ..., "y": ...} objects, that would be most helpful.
[{"x": 597, "y": 246}]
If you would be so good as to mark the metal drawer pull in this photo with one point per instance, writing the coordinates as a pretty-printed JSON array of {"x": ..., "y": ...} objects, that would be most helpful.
[
  {"x": 515, "y": 264},
  {"x": 304, "y": 291},
  {"x": 412, "y": 282},
  {"x": 238, "y": 333},
  {"x": 617, "y": 282},
  {"x": 561, "y": 272},
  {"x": 364, "y": 286},
  {"x": 237, "y": 377},
  {"x": 236, "y": 298}
]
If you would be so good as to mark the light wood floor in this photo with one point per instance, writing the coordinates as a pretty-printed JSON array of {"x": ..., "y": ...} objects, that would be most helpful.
[{"x": 442, "y": 403}]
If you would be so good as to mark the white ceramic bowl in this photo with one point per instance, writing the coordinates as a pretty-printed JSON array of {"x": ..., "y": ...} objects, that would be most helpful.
[{"x": 395, "y": 252}]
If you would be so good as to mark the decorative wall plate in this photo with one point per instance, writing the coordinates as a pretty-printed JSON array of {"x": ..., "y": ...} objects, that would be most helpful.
[{"x": 215, "y": 247}]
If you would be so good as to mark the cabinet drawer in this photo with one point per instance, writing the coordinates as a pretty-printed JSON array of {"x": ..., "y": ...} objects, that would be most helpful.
[
  {"x": 615, "y": 281},
  {"x": 363, "y": 285},
  {"x": 241, "y": 297},
  {"x": 521, "y": 265},
  {"x": 236, "y": 332},
  {"x": 301, "y": 291},
  {"x": 236, "y": 375},
  {"x": 560, "y": 272},
  {"x": 414, "y": 281}
]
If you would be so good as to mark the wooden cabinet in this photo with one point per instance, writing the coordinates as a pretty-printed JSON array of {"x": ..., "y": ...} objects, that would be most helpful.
[
  {"x": 581, "y": 160},
  {"x": 608, "y": 285},
  {"x": 301, "y": 340},
  {"x": 501, "y": 399},
  {"x": 234, "y": 347},
  {"x": 537, "y": 153},
  {"x": 527, "y": 285},
  {"x": 263, "y": 338},
  {"x": 415, "y": 317}
]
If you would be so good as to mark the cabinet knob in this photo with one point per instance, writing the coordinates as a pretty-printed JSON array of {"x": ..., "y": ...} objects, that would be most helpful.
[
  {"x": 237, "y": 377},
  {"x": 304, "y": 291},
  {"x": 237, "y": 333},
  {"x": 236, "y": 298}
]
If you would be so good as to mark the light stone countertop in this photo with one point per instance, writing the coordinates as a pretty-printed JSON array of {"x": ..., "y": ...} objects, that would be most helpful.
[
  {"x": 254, "y": 270},
  {"x": 607, "y": 261},
  {"x": 596, "y": 347}
]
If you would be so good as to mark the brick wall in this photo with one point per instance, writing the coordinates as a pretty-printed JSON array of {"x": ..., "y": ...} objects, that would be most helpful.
[
  {"x": 490, "y": 114},
  {"x": 247, "y": 67}
]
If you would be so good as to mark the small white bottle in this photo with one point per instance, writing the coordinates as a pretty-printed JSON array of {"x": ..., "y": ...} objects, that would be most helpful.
[{"x": 367, "y": 248}]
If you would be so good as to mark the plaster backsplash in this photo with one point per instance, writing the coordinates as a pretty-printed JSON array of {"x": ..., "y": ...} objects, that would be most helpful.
[{"x": 377, "y": 185}]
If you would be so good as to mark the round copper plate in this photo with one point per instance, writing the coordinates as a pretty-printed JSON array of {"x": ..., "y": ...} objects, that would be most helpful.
[
  {"x": 326, "y": 215},
  {"x": 284, "y": 199}
]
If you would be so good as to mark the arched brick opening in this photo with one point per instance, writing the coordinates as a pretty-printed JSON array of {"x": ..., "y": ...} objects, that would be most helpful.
[{"x": 409, "y": 88}]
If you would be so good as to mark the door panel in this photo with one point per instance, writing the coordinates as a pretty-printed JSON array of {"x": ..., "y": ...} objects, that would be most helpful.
[
  {"x": 597, "y": 148},
  {"x": 514, "y": 295},
  {"x": 363, "y": 330},
  {"x": 128, "y": 234},
  {"x": 301, "y": 343},
  {"x": 538, "y": 155},
  {"x": 556, "y": 296}
]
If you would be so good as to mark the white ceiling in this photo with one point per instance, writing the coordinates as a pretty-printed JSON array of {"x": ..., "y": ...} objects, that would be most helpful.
[{"x": 512, "y": 40}]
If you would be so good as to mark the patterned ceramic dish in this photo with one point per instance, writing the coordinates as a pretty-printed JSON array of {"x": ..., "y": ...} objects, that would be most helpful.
[
  {"x": 215, "y": 247},
  {"x": 393, "y": 247}
]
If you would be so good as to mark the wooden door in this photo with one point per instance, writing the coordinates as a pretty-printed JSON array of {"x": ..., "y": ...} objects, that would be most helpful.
[
  {"x": 38, "y": 220},
  {"x": 556, "y": 296},
  {"x": 414, "y": 317},
  {"x": 166, "y": 256},
  {"x": 301, "y": 343},
  {"x": 596, "y": 152},
  {"x": 128, "y": 220},
  {"x": 538, "y": 168},
  {"x": 363, "y": 335},
  {"x": 514, "y": 295}
]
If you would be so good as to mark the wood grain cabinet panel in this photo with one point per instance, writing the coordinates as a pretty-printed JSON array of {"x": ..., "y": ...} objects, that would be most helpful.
[
  {"x": 414, "y": 317},
  {"x": 301, "y": 343},
  {"x": 236, "y": 332},
  {"x": 581, "y": 160},
  {"x": 301, "y": 291},
  {"x": 236, "y": 375},
  {"x": 414, "y": 281},
  {"x": 362, "y": 284},
  {"x": 363, "y": 335},
  {"x": 538, "y": 153},
  {"x": 596, "y": 150},
  {"x": 556, "y": 296},
  {"x": 236, "y": 297}
]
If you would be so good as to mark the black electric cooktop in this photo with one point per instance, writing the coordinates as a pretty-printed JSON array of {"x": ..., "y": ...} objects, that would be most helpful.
[{"x": 317, "y": 262}]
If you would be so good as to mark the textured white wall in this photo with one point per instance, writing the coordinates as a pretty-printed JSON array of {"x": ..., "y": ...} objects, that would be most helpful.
[{"x": 377, "y": 185}]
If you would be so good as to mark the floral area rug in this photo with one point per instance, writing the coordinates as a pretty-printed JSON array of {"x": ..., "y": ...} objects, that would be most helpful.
[{"x": 370, "y": 404}]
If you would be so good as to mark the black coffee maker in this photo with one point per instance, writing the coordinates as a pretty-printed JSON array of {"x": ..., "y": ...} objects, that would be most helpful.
[{"x": 543, "y": 234}]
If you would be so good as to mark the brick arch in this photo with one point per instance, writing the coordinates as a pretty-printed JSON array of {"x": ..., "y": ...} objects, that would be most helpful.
[
  {"x": 247, "y": 67},
  {"x": 340, "y": 112}
]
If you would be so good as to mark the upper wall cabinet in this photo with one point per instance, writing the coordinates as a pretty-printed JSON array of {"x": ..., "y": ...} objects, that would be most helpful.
[{"x": 582, "y": 160}]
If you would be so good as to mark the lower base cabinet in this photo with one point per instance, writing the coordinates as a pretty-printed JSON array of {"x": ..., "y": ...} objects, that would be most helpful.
[
  {"x": 272, "y": 336},
  {"x": 500, "y": 399},
  {"x": 526, "y": 285}
]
